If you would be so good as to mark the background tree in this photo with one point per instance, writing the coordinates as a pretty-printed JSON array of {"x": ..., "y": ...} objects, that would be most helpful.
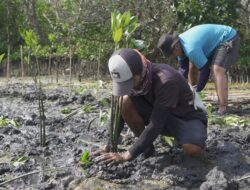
[{"x": 81, "y": 29}]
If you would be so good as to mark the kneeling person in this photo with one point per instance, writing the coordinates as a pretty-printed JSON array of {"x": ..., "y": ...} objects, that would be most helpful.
[{"x": 157, "y": 100}]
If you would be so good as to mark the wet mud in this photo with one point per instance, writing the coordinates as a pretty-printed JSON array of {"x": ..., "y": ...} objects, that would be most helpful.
[{"x": 225, "y": 164}]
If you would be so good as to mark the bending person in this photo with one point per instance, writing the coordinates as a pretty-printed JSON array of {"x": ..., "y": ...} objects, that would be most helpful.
[{"x": 205, "y": 46}]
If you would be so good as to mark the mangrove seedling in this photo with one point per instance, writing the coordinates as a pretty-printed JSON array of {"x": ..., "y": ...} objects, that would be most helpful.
[
  {"x": 5, "y": 122},
  {"x": 80, "y": 91},
  {"x": 87, "y": 108},
  {"x": 168, "y": 140},
  {"x": 66, "y": 110},
  {"x": 20, "y": 161},
  {"x": 104, "y": 117},
  {"x": 84, "y": 162},
  {"x": 116, "y": 103}
]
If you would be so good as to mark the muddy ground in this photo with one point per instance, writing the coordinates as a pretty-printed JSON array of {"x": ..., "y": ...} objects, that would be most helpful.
[{"x": 225, "y": 164}]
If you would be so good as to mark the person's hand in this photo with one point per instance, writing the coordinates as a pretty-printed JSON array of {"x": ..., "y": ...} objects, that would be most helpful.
[
  {"x": 100, "y": 151},
  {"x": 113, "y": 157}
]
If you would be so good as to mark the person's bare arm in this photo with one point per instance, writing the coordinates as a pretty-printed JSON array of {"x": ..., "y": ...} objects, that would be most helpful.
[{"x": 193, "y": 74}]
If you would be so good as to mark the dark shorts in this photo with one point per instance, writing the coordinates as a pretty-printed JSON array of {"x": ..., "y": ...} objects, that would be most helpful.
[
  {"x": 226, "y": 54},
  {"x": 193, "y": 131}
]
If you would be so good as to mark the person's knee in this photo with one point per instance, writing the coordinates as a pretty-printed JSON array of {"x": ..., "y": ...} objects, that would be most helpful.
[
  {"x": 218, "y": 70},
  {"x": 192, "y": 150},
  {"x": 126, "y": 104}
]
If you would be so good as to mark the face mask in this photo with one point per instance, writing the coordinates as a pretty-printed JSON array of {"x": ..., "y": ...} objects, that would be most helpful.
[{"x": 146, "y": 77}]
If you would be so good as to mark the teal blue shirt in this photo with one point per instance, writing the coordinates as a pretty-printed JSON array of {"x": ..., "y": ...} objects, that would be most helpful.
[{"x": 199, "y": 42}]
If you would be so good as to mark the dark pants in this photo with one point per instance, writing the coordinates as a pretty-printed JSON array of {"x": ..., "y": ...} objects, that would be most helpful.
[{"x": 226, "y": 54}]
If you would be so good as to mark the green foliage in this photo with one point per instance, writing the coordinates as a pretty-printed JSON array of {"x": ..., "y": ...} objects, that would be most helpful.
[
  {"x": 84, "y": 162},
  {"x": 80, "y": 91},
  {"x": 84, "y": 26},
  {"x": 104, "y": 117},
  {"x": 210, "y": 110},
  {"x": 193, "y": 12},
  {"x": 1, "y": 57},
  {"x": 244, "y": 58},
  {"x": 12, "y": 17},
  {"x": 66, "y": 110},
  {"x": 5, "y": 122},
  {"x": 20, "y": 161},
  {"x": 235, "y": 120},
  {"x": 202, "y": 95},
  {"x": 87, "y": 108},
  {"x": 168, "y": 140},
  {"x": 104, "y": 102},
  {"x": 229, "y": 120},
  {"x": 123, "y": 25},
  {"x": 30, "y": 39}
]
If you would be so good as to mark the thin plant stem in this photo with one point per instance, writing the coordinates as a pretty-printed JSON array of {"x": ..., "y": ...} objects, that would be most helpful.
[
  {"x": 111, "y": 122},
  {"x": 117, "y": 121}
]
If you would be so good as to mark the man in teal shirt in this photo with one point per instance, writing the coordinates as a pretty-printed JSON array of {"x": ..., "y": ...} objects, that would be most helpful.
[{"x": 205, "y": 46}]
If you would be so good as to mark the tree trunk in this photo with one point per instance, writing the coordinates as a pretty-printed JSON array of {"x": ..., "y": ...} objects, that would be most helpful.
[
  {"x": 70, "y": 65},
  {"x": 8, "y": 43},
  {"x": 57, "y": 71},
  {"x": 21, "y": 54},
  {"x": 8, "y": 63},
  {"x": 30, "y": 6},
  {"x": 247, "y": 15}
]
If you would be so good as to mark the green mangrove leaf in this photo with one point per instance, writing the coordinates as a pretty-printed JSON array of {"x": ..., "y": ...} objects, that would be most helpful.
[
  {"x": 103, "y": 117},
  {"x": 87, "y": 109},
  {"x": 117, "y": 35},
  {"x": 5, "y": 122},
  {"x": 168, "y": 140},
  {"x": 104, "y": 102},
  {"x": 80, "y": 91},
  {"x": 113, "y": 21},
  {"x": 1, "y": 57},
  {"x": 84, "y": 162},
  {"x": 66, "y": 110},
  {"x": 85, "y": 156},
  {"x": 20, "y": 161},
  {"x": 125, "y": 19}
]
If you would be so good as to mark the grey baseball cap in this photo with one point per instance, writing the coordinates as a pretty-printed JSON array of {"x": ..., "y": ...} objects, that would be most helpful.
[
  {"x": 166, "y": 43},
  {"x": 123, "y": 65}
]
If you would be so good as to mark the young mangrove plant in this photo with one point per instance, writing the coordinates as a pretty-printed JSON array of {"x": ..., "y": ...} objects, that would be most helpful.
[
  {"x": 116, "y": 106},
  {"x": 20, "y": 161},
  {"x": 231, "y": 120},
  {"x": 5, "y": 122},
  {"x": 32, "y": 47},
  {"x": 84, "y": 162},
  {"x": 123, "y": 26},
  {"x": 87, "y": 108},
  {"x": 66, "y": 110},
  {"x": 168, "y": 140}
]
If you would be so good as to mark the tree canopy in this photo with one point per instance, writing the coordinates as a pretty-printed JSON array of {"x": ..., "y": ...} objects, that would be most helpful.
[{"x": 84, "y": 27}]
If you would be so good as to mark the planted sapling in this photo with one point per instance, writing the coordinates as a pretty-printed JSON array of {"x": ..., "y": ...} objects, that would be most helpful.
[{"x": 84, "y": 162}]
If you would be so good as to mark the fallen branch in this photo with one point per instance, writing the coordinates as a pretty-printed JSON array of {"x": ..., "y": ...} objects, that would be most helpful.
[
  {"x": 31, "y": 173},
  {"x": 214, "y": 102},
  {"x": 71, "y": 114},
  {"x": 91, "y": 121},
  {"x": 242, "y": 178}
]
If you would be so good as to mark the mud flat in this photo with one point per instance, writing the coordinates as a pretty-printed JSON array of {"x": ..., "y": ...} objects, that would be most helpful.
[{"x": 225, "y": 164}]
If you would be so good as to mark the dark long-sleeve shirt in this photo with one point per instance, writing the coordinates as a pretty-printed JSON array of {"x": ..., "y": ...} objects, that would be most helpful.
[
  {"x": 204, "y": 73},
  {"x": 169, "y": 94}
]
